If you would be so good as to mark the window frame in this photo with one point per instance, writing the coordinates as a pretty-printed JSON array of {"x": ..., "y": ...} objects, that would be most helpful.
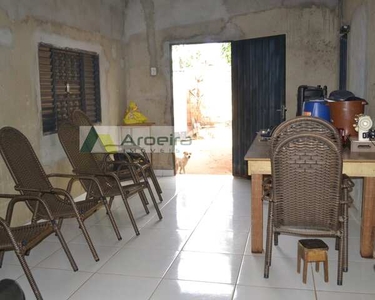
[{"x": 58, "y": 67}]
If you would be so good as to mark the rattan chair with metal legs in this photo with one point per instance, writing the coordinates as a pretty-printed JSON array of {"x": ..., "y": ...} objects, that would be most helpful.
[
  {"x": 79, "y": 118},
  {"x": 109, "y": 182},
  {"x": 21, "y": 239},
  {"x": 307, "y": 198},
  {"x": 307, "y": 124},
  {"x": 31, "y": 180}
]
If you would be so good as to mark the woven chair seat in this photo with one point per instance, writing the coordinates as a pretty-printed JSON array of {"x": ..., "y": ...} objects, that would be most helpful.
[
  {"x": 62, "y": 209},
  {"x": 26, "y": 236},
  {"x": 128, "y": 190}
]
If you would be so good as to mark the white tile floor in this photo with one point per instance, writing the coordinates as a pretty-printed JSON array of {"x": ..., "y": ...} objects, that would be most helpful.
[{"x": 200, "y": 250}]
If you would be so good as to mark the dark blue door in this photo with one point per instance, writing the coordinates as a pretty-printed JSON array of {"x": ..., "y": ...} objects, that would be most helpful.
[{"x": 258, "y": 92}]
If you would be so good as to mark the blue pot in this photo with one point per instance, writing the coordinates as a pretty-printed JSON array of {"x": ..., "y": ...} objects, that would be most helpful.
[{"x": 317, "y": 108}]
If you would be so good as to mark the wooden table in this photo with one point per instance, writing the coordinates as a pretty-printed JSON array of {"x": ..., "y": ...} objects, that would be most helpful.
[{"x": 356, "y": 164}]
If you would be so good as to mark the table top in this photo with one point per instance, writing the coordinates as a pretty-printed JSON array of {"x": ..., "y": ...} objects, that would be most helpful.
[{"x": 361, "y": 164}]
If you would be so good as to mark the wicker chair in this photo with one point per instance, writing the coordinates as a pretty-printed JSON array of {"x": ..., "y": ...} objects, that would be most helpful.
[
  {"x": 305, "y": 124},
  {"x": 79, "y": 118},
  {"x": 109, "y": 182},
  {"x": 21, "y": 239},
  {"x": 31, "y": 180},
  {"x": 307, "y": 197}
]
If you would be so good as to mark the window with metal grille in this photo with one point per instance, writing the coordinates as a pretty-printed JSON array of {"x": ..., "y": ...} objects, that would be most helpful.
[{"x": 69, "y": 79}]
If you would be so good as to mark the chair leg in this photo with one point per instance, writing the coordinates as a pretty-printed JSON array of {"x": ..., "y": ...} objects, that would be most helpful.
[
  {"x": 60, "y": 222},
  {"x": 112, "y": 219},
  {"x": 88, "y": 239},
  {"x": 144, "y": 200},
  {"x": 1, "y": 258},
  {"x": 298, "y": 260},
  {"x": 129, "y": 211},
  {"x": 29, "y": 276},
  {"x": 340, "y": 262},
  {"x": 304, "y": 275},
  {"x": 65, "y": 247},
  {"x": 326, "y": 268},
  {"x": 268, "y": 254},
  {"x": 317, "y": 267},
  {"x": 154, "y": 200},
  {"x": 156, "y": 183},
  {"x": 137, "y": 179},
  {"x": 110, "y": 202},
  {"x": 276, "y": 238},
  {"x": 337, "y": 243},
  {"x": 345, "y": 266}
]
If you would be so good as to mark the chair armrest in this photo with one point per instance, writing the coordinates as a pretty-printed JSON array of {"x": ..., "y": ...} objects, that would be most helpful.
[
  {"x": 76, "y": 177},
  {"x": 53, "y": 191},
  {"x": 4, "y": 224},
  {"x": 114, "y": 176},
  {"x": 23, "y": 198},
  {"x": 111, "y": 175},
  {"x": 40, "y": 191}
]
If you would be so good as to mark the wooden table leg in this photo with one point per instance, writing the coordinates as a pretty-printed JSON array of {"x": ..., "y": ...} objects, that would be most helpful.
[
  {"x": 256, "y": 214},
  {"x": 368, "y": 217}
]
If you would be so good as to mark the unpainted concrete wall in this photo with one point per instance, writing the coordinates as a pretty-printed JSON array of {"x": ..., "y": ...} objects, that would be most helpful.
[
  {"x": 91, "y": 25},
  {"x": 360, "y": 15},
  {"x": 151, "y": 26}
]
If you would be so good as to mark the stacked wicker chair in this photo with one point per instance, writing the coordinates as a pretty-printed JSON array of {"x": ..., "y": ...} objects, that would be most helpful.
[
  {"x": 79, "y": 118},
  {"x": 87, "y": 164},
  {"x": 299, "y": 125},
  {"x": 31, "y": 180},
  {"x": 307, "y": 193},
  {"x": 305, "y": 124}
]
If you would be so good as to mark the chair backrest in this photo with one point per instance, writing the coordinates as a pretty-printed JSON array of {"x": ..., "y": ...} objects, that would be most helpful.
[
  {"x": 79, "y": 118},
  {"x": 21, "y": 160},
  {"x": 305, "y": 124},
  {"x": 306, "y": 180},
  {"x": 83, "y": 163}
]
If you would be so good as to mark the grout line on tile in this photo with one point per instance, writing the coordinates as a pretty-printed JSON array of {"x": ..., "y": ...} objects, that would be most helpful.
[
  {"x": 83, "y": 283},
  {"x": 183, "y": 246},
  {"x": 240, "y": 269}
]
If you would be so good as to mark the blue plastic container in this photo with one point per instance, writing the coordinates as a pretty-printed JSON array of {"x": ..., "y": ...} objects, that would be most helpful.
[{"x": 317, "y": 108}]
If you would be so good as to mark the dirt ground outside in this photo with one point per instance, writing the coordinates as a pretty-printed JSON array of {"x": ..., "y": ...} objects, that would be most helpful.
[{"x": 211, "y": 151}]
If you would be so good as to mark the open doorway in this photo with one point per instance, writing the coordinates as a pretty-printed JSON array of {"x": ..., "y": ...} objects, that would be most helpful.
[{"x": 202, "y": 106}]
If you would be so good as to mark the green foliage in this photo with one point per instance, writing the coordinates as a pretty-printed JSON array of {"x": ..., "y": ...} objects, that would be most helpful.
[{"x": 226, "y": 52}]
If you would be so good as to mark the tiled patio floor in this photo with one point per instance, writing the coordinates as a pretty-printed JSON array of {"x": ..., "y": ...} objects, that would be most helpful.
[{"x": 200, "y": 250}]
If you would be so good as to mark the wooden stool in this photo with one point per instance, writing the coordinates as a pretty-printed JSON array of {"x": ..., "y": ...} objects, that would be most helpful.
[{"x": 312, "y": 250}]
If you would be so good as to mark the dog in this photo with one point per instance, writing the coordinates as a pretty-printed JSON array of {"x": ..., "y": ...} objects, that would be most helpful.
[{"x": 182, "y": 162}]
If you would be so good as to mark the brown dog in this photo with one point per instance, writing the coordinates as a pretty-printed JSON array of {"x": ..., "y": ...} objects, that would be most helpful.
[{"x": 182, "y": 162}]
